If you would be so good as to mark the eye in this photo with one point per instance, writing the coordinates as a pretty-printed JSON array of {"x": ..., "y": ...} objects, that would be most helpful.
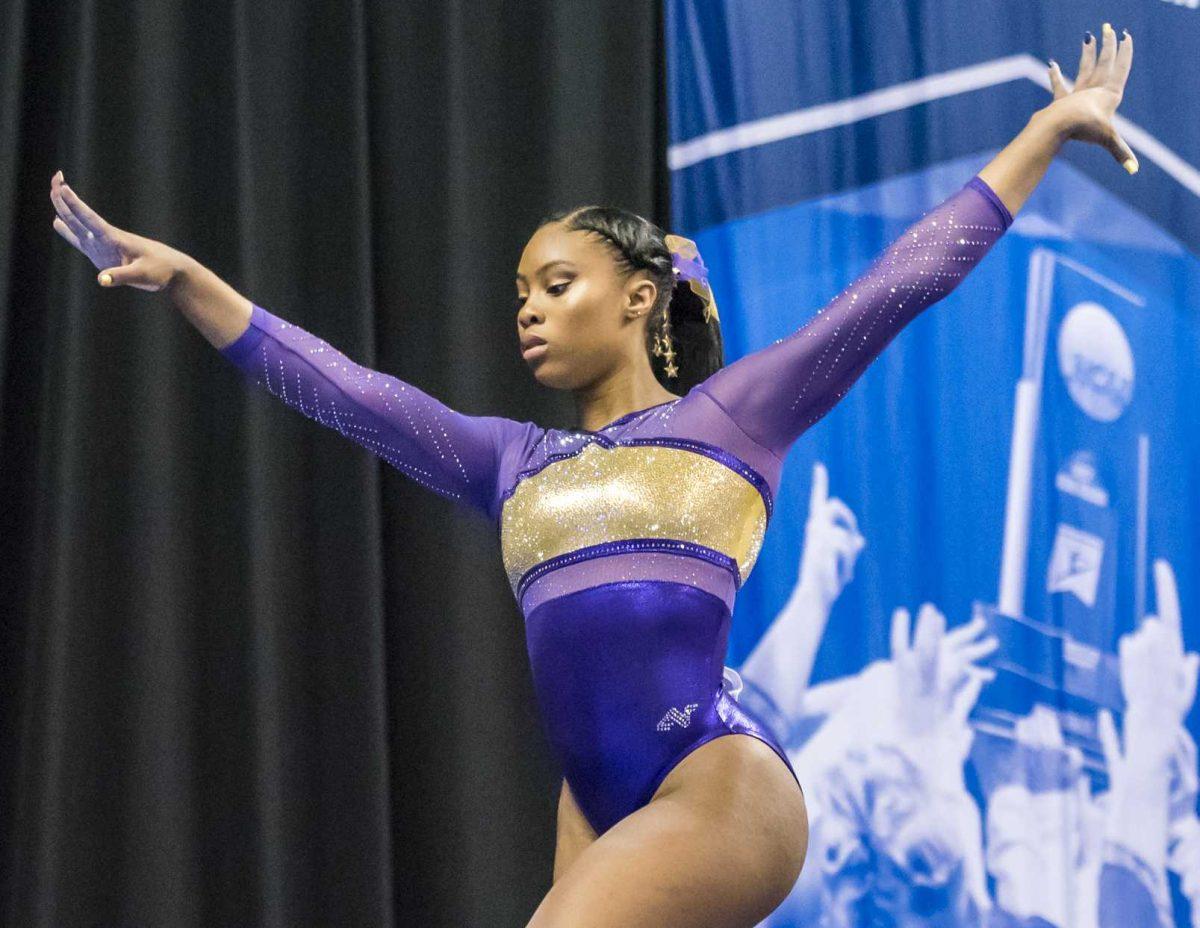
[{"x": 555, "y": 290}]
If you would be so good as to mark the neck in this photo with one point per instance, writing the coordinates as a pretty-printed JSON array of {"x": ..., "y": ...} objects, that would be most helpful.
[{"x": 601, "y": 403}]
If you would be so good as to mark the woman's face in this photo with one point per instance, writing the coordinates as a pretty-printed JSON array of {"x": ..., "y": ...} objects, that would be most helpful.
[{"x": 570, "y": 293}]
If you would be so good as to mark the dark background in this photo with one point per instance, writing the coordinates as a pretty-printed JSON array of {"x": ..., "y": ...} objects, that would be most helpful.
[{"x": 249, "y": 674}]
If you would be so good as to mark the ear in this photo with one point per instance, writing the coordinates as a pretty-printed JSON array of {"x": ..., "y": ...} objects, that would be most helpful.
[{"x": 640, "y": 294}]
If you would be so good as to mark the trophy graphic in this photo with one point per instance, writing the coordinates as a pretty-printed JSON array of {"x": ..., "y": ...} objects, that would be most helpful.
[{"x": 1074, "y": 561}]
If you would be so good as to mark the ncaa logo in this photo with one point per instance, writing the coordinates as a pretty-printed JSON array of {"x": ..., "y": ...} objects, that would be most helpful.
[{"x": 1096, "y": 361}]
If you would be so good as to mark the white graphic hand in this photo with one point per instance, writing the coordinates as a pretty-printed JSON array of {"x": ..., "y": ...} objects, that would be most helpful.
[
  {"x": 832, "y": 541},
  {"x": 1158, "y": 680},
  {"x": 937, "y": 679}
]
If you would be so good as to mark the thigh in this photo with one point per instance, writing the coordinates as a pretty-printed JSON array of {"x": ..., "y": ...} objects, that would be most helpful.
[
  {"x": 574, "y": 832},
  {"x": 710, "y": 849}
]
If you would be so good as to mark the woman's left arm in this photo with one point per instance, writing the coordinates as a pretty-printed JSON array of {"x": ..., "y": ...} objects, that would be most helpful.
[{"x": 774, "y": 394}]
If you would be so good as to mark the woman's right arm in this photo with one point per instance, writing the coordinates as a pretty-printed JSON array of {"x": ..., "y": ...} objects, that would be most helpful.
[
  {"x": 453, "y": 454},
  {"x": 448, "y": 452}
]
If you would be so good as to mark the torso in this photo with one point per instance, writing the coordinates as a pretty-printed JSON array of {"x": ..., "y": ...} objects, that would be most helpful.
[{"x": 625, "y": 548}]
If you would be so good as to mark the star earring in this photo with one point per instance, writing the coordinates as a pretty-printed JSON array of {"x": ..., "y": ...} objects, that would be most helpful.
[{"x": 664, "y": 347}]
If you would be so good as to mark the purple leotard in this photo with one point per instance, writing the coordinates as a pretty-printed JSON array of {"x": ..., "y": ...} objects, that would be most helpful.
[{"x": 625, "y": 546}]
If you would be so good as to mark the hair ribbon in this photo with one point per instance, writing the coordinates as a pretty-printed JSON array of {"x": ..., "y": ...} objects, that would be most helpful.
[{"x": 687, "y": 264}]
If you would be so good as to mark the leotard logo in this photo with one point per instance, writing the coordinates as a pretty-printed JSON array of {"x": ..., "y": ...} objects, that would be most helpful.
[{"x": 675, "y": 717}]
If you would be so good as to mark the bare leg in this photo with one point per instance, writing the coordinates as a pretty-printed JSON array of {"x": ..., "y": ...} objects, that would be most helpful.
[{"x": 720, "y": 845}]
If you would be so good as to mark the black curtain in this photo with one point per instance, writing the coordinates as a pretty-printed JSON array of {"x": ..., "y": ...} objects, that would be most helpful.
[{"x": 250, "y": 674}]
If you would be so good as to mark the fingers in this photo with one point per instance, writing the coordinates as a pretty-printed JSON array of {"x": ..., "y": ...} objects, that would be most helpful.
[
  {"x": 841, "y": 511},
  {"x": 1123, "y": 63},
  {"x": 1087, "y": 62},
  {"x": 931, "y": 626},
  {"x": 965, "y": 698},
  {"x": 132, "y": 274},
  {"x": 64, "y": 213},
  {"x": 954, "y": 679},
  {"x": 900, "y": 631},
  {"x": 61, "y": 228},
  {"x": 1122, "y": 152},
  {"x": 1057, "y": 86},
  {"x": 1107, "y": 56},
  {"x": 972, "y": 652},
  {"x": 1166, "y": 597},
  {"x": 961, "y": 634},
  {"x": 820, "y": 487},
  {"x": 90, "y": 219}
]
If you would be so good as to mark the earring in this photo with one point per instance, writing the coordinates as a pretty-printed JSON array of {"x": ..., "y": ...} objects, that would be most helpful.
[{"x": 664, "y": 347}]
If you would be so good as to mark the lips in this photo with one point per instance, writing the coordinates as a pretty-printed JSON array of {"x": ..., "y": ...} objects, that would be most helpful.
[{"x": 531, "y": 341}]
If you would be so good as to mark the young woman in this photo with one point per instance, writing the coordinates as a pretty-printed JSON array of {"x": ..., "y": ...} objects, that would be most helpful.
[{"x": 625, "y": 540}]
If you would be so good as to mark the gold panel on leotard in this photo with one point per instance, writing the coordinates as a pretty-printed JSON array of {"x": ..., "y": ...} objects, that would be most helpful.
[{"x": 631, "y": 491}]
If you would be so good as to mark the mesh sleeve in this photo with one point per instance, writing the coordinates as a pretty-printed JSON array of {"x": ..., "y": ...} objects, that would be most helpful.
[
  {"x": 774, "y": 394},
  {"x": 455, "y": 455}
]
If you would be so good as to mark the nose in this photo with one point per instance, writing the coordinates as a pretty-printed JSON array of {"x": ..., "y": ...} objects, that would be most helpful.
[{"x": 527, "y": 315}]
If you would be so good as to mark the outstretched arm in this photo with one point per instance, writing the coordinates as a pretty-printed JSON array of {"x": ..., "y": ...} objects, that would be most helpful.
[
  {"x": 777, "y": 392},
  {"x": 774, "y": 394},
  {"x": 455, "y": 455}
]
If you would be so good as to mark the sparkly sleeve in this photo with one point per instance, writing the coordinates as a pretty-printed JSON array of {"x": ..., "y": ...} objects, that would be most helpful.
[
  {"x": 774, "y": 394},
  {"x": 453, "y": 454}
]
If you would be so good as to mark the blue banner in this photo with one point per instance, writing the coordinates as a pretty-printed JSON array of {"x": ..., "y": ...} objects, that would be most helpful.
[{"x": 975, "y": 614}]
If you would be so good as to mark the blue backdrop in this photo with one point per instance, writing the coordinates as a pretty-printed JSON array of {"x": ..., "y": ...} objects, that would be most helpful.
[{"x": 1024, "y": 458}]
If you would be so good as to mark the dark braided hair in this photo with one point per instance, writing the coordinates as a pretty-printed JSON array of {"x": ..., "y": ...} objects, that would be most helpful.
[{"x": 638, "y": 244}]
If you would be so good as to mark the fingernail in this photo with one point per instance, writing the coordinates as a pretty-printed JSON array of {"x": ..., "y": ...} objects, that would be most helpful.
[
  {"x": 1130, "y": 165},
  {"x": 1087, "y": 38},
  {"x": 1124, "y": 33},
  {"x": 1053, "y": 63},
  {"x": 106, "y": 279}
]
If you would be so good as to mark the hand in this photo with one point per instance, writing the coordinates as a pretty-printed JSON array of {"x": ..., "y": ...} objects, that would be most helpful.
[
  {"x": 937, "y": 685},
  {"x": 831, "y": 541},
  {"x": 1086, "y": 111},
  {"x": 958, "y": 671},
  {"x": 925, "y": 692},
  {"x": 124, "y": 258},
  {"x": 1158, "y": 680},
  {"x": 938, "y": 680}
]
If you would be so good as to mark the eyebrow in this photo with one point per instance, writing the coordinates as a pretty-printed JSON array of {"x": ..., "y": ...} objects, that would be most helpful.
[{"x": 546, "y": 265}]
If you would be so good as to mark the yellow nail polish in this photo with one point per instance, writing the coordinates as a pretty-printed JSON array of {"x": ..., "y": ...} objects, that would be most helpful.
[
  {"x": 1107, "y": 27},
  {"x": 106, "y": 279},
  {"x": 1130, "y": 165}
]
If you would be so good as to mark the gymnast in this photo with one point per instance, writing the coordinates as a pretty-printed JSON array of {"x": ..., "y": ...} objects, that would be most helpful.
[{"x": 625, "y": 540}]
